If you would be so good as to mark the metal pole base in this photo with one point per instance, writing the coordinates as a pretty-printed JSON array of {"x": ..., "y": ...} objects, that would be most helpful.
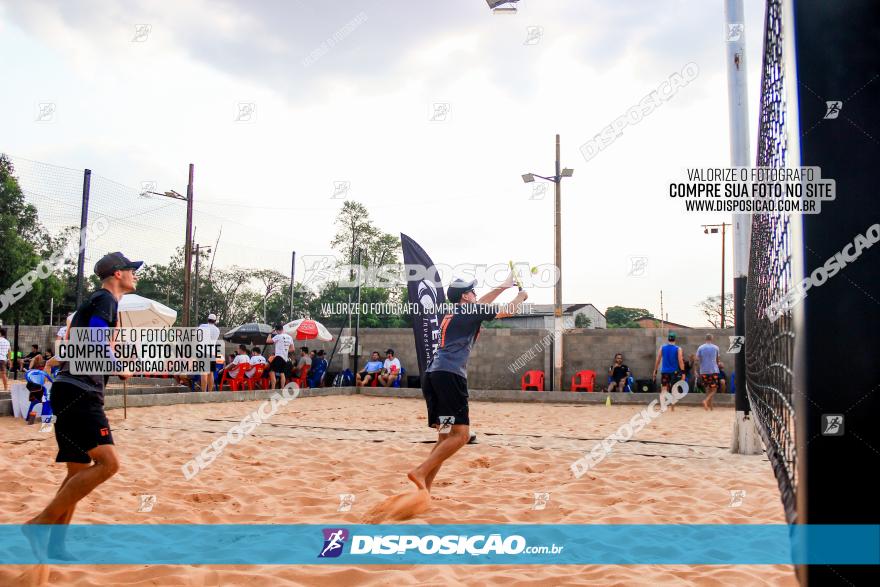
[{"x": 746, "y": 440}]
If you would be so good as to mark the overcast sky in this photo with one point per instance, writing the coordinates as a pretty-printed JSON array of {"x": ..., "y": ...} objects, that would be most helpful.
[{"x": 139, "y": 104}]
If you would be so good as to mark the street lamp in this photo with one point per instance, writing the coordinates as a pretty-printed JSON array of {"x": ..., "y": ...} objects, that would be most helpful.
[
  {"x": 557, "y": 294},
  {"x": 713, "y": 229}
]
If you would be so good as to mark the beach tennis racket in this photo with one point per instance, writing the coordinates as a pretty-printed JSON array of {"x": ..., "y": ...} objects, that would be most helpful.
[{"x": 516, "y": 279}]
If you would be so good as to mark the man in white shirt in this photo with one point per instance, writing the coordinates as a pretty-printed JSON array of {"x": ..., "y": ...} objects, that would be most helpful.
[
  {"x": 390, "y": 369},
  {"x": 241, "y": 360},
  {"x": 282, "y": 342},
  {"x": 212, "y": 335},
  {"x": 257, "y": 358},
  {"x": 4, "y": 357}
]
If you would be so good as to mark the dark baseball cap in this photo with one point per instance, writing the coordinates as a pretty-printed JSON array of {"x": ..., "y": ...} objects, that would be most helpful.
[
  {"x": 111, "y": 262},
  {"x": 671, "y": 336}
]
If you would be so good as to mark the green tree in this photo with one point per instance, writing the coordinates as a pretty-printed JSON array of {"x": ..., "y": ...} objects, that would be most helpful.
[
  {"x": 25, "y": 245},
  {"x": 582, "y": 321},
  {"x": 622, "y": 317},
  {"x": 711, "y": 309}
]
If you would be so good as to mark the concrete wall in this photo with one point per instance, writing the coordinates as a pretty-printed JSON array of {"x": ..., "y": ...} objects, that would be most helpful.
[{"x": 498, "y": 348}]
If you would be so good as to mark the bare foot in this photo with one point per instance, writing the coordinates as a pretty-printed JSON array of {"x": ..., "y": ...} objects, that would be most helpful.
[
  {"x": 38, "y": 537},
  {"x": 399, "y": 507},
  {"x": 417, "y": 479},
  {"x": 705, "y": 406}
]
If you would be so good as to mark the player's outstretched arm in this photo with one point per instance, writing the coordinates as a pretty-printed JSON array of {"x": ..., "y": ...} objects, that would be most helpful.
[{"x": 514, "y": 306}]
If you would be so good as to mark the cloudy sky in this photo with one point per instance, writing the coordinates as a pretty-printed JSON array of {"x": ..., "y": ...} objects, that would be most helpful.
[{"x": 347, "y": 91}]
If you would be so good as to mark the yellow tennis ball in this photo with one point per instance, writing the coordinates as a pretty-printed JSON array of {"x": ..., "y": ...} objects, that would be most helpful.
[{"x": 533, "y": 270}]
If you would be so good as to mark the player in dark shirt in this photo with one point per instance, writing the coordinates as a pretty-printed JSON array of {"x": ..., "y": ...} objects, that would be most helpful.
[
  {"x": 82, "y": 430},
  {"x": 618, "y": 373},
  {"x": 445, "y": 383}
]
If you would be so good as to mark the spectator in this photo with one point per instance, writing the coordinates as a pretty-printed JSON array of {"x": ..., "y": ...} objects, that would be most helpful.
[
  {"x": 212, "y": 335},
  {"x": 305, "y": 358},
  {"x": 241, "y": 358},
  {"x": 707, "y": 359},
  {"x": 62, "y": 332},
  {"x": 26, "y": 361},
  {"x": 618, "y": 372},
  {"x": 37, "y": 362},
  {"x": 257, "y": 358},
  {"x": 4, "y": 357},
  {"x": 317, "y": 370},
  {"x": 283, "y": 342},
  {"x": 370, "y": 370},
  {"x": 722, "y": 377},
  {"x": 390, "y": 369}
]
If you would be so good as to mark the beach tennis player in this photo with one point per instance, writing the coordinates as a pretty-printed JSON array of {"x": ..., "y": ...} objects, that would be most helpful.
[
  {"x": 445, "y": 382},
  {"x": 82, "y": 430},
  {"x": 670, "y": 360}
]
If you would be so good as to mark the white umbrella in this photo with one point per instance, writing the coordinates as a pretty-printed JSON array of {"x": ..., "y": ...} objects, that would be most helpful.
[
  {"x": 307, "y": 329},
  {"x": 139, "y": 312}
]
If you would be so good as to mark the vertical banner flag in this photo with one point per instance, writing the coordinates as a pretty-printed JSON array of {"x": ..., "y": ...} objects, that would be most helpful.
[{"x": 425, "y": 296}]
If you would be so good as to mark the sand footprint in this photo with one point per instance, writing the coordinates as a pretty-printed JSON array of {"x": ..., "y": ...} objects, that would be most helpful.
[{"x": 399, "y": 507}]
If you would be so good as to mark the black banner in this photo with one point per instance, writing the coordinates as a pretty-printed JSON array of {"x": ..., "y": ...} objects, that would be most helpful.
[{"x": 425, "y": 293}]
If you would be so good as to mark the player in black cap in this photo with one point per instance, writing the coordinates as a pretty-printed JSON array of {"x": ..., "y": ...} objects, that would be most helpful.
[
  {"x": 81, "y": 429},
  {"x": 444, "y": 385}
]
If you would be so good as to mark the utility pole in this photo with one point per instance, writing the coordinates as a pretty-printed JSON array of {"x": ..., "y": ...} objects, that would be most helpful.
[
  {"x": 187, "y": 253},
  {"x": 292, "y": 271},
  {"x": 557, "y": 310},
  {"x": 713, "y": 229}
]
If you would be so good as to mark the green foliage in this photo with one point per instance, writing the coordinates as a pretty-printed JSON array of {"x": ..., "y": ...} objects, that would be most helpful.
[{"x": 622, "y": 317}]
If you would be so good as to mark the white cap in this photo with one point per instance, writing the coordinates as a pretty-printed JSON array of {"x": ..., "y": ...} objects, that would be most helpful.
[{"x": 212, "y": 316}]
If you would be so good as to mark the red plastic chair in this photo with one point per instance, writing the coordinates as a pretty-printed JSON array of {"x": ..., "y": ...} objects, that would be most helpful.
[
  {"x": 257, "y": 378},
  {"x": 583, "y": 380},
  {"x": 235, "y": 383},
  {"x": 533, "y": 379}
]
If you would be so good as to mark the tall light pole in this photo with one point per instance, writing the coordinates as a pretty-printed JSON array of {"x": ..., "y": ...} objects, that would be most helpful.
[
  {"x": 713, "y": 229},
  {"x": 557, "y": 289}
]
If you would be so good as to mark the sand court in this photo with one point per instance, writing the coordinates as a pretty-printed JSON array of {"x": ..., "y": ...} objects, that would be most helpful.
[{"x": 294, "y": 468}]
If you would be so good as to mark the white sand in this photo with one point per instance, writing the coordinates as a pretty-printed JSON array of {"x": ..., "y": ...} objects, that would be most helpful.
[{"x": 294, "y": 467}]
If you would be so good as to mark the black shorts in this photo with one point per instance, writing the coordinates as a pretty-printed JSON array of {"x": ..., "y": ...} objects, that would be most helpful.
[
  {"x": 669, "y": 378},
  {"x": 278, "y": 365},
  {"x": 81, "y": 423},
  {"x": 446, "y": 394},
  {"x": 710, "y": 379},
  {"x": 213, "y": 367}
]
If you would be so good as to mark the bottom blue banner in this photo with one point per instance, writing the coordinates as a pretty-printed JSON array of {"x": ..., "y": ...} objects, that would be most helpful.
[{"x": 226, "y": 544}]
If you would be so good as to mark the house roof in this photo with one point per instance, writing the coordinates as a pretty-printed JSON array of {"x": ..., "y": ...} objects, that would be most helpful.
[{"x": 654, "y": 322}]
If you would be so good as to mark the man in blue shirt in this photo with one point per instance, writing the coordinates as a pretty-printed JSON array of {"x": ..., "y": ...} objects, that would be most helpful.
[
  {"x": 670, "y": 361},
  {"x": 370, "y": 370},
  {"x": 82, "y": 430}
]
